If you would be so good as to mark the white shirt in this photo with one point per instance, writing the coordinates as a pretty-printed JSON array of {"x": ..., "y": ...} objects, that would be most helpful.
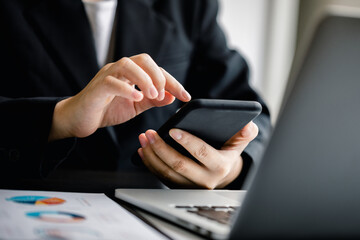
[{"x": 101, "y": 16}]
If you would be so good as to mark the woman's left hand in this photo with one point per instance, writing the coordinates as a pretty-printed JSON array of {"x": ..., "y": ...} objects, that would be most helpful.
[{"x": 216, "y": 168}]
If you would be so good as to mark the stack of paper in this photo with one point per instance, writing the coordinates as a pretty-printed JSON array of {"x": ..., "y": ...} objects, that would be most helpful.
[{"x": 62, "y": 216}]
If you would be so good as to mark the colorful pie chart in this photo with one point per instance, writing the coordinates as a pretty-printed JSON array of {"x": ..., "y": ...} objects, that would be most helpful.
[
  {"x": 37, "y": 200},
  {"x": 56, "y": 216}
]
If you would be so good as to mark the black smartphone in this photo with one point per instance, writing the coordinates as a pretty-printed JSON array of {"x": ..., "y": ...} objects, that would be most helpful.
[{"x": 213, "y": 120}]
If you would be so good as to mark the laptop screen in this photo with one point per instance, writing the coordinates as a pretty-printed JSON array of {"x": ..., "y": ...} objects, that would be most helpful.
[{"x": 308, "y": 183}]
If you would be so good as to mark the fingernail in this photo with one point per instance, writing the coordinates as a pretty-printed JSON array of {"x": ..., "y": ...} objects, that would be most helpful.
[
  {"x": 137, "y": 95},
  {"x": 143, "y": 142},
  {"x": 186, "y": 95},
  {"x": 246, "y": 131},
  {"x": 175, "y": 134},
  {"x": 153, "y": 92},
  {"x": 150, "y": 136},
  {"x": 161, "y": 95}
]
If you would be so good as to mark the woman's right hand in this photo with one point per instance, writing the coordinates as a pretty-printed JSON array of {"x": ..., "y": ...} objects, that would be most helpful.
[{"x": 111, "y": 98}]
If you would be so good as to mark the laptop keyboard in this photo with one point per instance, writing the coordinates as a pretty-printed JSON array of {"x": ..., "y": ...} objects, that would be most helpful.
[{"x": 221, "y": 214}]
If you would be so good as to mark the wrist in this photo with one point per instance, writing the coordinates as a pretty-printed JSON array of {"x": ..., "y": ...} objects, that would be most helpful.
[{"x": 60, "y": 123}]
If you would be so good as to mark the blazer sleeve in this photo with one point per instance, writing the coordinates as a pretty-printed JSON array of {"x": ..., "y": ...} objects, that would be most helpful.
[
  {"x": 219, "y": 72},
  {"x": 24, "y": 150}
]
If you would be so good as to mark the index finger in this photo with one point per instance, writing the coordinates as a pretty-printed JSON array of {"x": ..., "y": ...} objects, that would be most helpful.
[
  {"x": 202, "y": 151},
  {"x": 175, "y": 88},
  {"x": 153, "y": 70}
]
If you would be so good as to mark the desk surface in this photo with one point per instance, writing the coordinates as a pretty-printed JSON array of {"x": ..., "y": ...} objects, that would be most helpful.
[{"x": 102, "y": 182}]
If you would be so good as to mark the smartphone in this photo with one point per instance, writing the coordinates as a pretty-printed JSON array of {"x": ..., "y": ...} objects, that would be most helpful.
[{"x": 213, "y": 120}]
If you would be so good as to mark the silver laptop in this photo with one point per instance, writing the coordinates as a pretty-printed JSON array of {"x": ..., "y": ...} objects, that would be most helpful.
[
  {"x": 207, "y": 212},
  {"x": 308, "y": 183}
]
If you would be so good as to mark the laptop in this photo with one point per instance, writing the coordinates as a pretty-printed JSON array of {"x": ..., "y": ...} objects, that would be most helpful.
[{"x": 308, "y": 182}]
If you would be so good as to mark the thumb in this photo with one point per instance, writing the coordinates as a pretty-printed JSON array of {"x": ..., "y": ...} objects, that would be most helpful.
[
  {"x": 242, "y": 138},
  {"x": 147, "y": 103}
]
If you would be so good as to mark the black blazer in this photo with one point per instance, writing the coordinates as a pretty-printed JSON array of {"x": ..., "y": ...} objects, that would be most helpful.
[{"x": 47, "y": 53}]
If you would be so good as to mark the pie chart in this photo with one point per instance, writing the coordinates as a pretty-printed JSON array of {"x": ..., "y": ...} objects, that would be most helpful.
[
  {"x": 56, "y": 216},
  {"x": 36, "y": 200}
]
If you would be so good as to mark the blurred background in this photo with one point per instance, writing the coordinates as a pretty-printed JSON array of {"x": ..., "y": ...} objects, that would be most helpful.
[{"x": 268, "y": 33}]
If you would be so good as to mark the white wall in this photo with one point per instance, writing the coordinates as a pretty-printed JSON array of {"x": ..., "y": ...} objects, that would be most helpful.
[
  {"x": 265, "y": 32},
  {"x": 244, "y": 23}
]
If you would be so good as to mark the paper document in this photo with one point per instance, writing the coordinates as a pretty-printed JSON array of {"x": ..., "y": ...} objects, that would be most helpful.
[{"x": 64, "y": 216}]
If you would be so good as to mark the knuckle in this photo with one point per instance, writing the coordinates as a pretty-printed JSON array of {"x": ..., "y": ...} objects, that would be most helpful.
[
  {"x": 201, "y": 152},
  {"x": 162, "y": 80},
  {"x": 108, "y": 81},
  {"x": 179, "y": 166},
  {"x": 123, "y": 62},
  {"x": 145, "y": 58}
]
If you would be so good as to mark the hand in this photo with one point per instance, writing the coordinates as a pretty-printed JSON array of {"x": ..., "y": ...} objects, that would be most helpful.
[
  {"x": 216, "y": 168},
  {"x": 110, "y": 98}
]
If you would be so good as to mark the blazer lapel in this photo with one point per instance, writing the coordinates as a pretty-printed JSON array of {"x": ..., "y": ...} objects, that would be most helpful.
[
  {"x": 140, "y": 29},
  {"x": 63, "y": 27},
  {"x": 65, "y": 31}
]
